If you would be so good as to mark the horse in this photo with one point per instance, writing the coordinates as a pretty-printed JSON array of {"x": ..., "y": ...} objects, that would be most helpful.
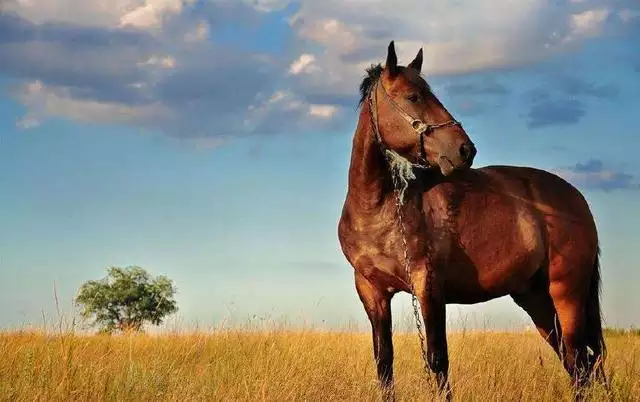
[{"x": 418, "y": 218}]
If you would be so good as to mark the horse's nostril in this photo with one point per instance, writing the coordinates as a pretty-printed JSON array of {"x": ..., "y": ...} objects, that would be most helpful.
[{"x": 465, "y": 151}]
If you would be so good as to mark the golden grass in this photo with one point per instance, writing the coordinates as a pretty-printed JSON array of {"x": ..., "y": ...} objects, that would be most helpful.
[{"x": 281, "y": 365}]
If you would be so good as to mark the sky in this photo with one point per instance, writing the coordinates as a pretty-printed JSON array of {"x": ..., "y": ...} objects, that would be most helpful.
[{"x": 209, "y": 141}]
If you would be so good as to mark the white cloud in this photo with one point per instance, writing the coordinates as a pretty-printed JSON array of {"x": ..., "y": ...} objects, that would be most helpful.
[
  {"x": 145, "y": 14},
  {"x": 587, "y": 24},
  {"x": 303, "y": 63},
  {"x": 340, "y": 38},
  {"x": 199, "y": 33},
  {"x": 284, "y": 110},
  {"x": 284, "y": 100},
  {"x": 104, "y": 13},
  {"x": 167, "y": 62},
  {"x": 266, "y": 5},
  {"x": 329, "y": 32},
  {"x": 456, "y": 38},
  {"x": 278, "y": 95},
  {"x": 324, "y": 111},
  {"x": 44, "y": 102},
  {"x": 150, "y": 14},
  {"x": 159, "y": 68}
]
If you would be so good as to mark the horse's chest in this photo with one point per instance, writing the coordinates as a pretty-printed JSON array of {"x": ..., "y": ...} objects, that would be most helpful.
[{"x": 377, "y": 250}]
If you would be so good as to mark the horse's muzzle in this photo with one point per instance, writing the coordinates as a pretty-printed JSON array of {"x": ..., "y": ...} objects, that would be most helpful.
[{"x": 468, "y": 151}]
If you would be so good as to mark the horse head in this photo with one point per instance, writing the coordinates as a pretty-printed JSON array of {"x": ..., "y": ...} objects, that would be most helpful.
[{"x": 410, "y": 121}]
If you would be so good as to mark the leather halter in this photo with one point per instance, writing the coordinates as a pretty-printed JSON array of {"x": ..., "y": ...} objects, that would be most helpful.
[{"x": 420, "y": 127}]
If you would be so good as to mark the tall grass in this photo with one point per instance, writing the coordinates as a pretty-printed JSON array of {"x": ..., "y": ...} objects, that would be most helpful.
[{"x": 280, "y": 364}]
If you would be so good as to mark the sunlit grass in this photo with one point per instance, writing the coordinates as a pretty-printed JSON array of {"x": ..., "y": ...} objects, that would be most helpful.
[{"x": 281, "y": 364}]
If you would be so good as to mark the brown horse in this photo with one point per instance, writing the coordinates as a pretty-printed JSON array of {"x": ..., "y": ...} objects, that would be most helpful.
[{"x": 417, "y": 218}]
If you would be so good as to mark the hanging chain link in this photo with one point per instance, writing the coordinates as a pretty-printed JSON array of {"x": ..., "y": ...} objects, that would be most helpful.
[{"x": 407, "y": 265}]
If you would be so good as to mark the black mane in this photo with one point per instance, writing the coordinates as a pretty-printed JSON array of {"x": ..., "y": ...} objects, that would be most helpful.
[{"x": 373, "y": 74}]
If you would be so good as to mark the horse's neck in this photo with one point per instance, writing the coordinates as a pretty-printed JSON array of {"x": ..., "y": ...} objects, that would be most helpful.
[{"x": 369, "y": 179}]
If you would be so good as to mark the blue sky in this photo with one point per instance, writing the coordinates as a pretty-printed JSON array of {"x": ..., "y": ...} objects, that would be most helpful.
[{"x": 209, "y": 140}]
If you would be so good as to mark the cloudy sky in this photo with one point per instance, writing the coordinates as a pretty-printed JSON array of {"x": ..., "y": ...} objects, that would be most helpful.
[{"x": 209, "y": 139}]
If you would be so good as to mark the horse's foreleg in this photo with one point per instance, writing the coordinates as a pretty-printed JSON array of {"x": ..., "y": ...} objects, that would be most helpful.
[
  {"x": 377, "y": 304},
  {"x": 433, "y": 307}
]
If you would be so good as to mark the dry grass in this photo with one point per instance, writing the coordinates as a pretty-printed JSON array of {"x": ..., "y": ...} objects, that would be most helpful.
[{"x": 286, "y": 365}]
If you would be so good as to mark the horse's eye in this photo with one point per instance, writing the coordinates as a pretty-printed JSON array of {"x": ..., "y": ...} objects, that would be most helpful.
[{"x": 413, "y": 98}]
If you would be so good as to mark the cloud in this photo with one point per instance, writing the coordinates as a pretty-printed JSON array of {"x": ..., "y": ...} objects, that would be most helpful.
[
  {"x": 181, "y": 66},
  {"x": 586, "y": 24},
  {"x": 563, "y": 100},
  {"x": 471, "y": 33},
  {"x": 145, "y": 14},
  {"x": 266, "y": 5},
  {"x": 44, "y": 102},
  {"x": 595, "y": 176},
  {"x": 473, "y": 96},
  {"x": 341, "y": 38},
  {"x": 574, "y": 86},
  {"x": 94, "y": 63},
  {"x": 302, "y": 64},
  {"x": 198, "y": 33},
  {"x": 323, "y": 111},
  {"x": 198, "y": 89},
  {"x": 90, "y": 13},
  {"x": 484, "y": 87},
  {"x": 151, "y": 13},
  {"x": 547, "y": 111},
  {"x": 116, "y": 75}
]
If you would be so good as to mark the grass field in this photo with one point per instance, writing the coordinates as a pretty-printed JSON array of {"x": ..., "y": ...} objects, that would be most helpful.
[{"x": 282, "y": 365}]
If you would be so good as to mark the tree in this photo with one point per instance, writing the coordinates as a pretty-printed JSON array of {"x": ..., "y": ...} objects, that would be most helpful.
[{"x": 126, "y": 298}]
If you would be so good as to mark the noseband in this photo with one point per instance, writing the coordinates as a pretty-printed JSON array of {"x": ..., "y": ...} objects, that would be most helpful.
[{"x": 420, "y": 127}]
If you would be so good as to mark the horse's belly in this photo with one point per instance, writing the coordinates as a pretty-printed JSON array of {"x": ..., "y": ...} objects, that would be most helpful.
[{"x": 494, "y": 257}]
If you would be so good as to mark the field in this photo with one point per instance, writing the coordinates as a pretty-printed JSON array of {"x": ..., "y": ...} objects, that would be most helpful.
[{"x": 279, "y": 365}]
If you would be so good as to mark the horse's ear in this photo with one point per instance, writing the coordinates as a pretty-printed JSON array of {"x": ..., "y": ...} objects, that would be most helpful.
[
  {"x": 417, "y": 62},
  {"x": 392, "y": 59}
]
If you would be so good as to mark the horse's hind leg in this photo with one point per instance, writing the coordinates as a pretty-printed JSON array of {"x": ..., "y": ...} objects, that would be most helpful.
[
  {"x": 539, "y": 306},
  {"x": 571, "y": 305}
]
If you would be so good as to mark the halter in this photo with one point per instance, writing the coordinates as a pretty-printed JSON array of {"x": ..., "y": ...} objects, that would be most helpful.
[{"x": 420, "y": 127}]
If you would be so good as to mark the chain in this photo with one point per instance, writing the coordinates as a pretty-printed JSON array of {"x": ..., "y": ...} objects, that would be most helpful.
[{"x": 407, "y": 265}]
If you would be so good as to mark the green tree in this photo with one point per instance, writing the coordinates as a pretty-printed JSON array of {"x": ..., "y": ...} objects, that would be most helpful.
[{"x": 125, "y": 299}]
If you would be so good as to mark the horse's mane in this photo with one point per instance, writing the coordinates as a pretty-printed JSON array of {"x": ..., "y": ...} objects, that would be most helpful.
[
  {"x": 373, "y": 74},
  {"x": 400, "y": 167}
]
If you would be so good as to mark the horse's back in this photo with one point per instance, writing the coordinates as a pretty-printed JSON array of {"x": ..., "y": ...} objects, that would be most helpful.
[
  {"x": 561, "y": 205},
  {"x": 548, "y": 187}
]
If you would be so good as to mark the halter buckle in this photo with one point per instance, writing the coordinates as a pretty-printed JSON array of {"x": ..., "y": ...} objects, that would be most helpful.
[{"x": 419, "y": 126}]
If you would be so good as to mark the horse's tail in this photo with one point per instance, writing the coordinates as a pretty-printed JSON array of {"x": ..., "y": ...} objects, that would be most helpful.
[{"x": 595, "y": 336}]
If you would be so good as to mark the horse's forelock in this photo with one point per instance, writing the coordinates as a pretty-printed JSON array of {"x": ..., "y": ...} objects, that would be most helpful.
[{"x": 373, "y": 74}]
